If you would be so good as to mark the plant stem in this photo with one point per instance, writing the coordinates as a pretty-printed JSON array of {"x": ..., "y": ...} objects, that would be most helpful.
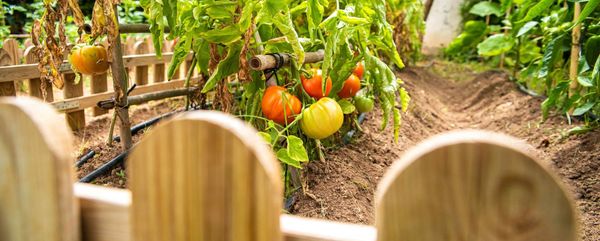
[
  {"x": 187, "y": 80},
  {"x": 320, "y": 150},
  {"x": 112, "y": 128}
]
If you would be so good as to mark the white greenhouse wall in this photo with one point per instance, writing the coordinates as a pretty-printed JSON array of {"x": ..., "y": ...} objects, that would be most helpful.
[{"x": 443, "y": 25}]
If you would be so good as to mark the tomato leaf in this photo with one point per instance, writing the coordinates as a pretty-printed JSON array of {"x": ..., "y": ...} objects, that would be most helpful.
[
  {"x": 495, "y": 45},
  {"x": 526, "y": 28},
  {"x": 226, "y": 67},
  {"x": 486, "y": 8},
  {"x": 296, "y": 150},
  {"x": 536, "y": 10},
  {"x": 226, "y": 35},
  {"x": 583, "y": 109},
  {"x": 182, "y": 50},
  {"x": 283, "y": 156},
  {"x": 347, "y": 107},
  {"x": 404, "y": 99},
  {"x": 265, "y": 136}
]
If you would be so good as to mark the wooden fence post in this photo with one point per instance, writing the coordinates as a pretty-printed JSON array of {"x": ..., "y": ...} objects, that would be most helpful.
[
  {"x": 75, "y": 119},
  {"x": 204, "y": 176},
  {"x": 35, "y": 84},
  {"x": 36, "y": 180},
  {"x": 9, "y": 55},
  {"x": 472, "y": 185},
  {"x": 141, "y": 72},
  {"x": 159, "y": 69}
]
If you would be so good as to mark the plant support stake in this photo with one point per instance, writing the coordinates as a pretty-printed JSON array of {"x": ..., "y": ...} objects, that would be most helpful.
[{"x": 120, "y": 81}]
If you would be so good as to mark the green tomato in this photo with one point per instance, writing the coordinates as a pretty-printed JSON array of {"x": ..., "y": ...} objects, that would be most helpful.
[{"x": 363, "y": 103}]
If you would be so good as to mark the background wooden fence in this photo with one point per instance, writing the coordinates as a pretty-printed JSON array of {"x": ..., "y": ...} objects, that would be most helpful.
[
  {"x": 19, "y": 76},
  {"x": 205, "y": 176}
]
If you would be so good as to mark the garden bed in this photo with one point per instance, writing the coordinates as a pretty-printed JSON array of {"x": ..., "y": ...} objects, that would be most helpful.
[{"x": 444, "y": 97}]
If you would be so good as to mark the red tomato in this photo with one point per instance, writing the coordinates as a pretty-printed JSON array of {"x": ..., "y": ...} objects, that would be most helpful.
[
  {"x": 359, "y": 70},
  {"x": 314, "y": 85},
  {"x": 351, "y": 86},
  {"x": 279, "y": 105}
]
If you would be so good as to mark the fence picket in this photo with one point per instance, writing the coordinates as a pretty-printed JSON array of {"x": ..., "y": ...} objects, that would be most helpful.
[
  {"x": 141, "y": 72},
  {"x": 37, "y": 201},
  {"x": 9, "y": 55},
  {"x": 472, "y": 185},
  {"x": 158, "y": 69},
  {"x": 203, "y": 176}
]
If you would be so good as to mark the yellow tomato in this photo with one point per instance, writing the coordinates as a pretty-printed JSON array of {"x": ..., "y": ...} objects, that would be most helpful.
[{"x": 322, "y": 118}]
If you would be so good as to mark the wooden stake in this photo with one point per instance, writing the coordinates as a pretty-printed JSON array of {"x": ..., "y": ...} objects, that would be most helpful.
[
  {"x": 573, "y": 70},
  {"x": 120, "y": 84}
]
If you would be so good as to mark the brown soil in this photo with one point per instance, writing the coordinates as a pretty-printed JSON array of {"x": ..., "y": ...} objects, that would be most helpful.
[
  {"x": 344, "y": 186},
  {"x": 94, "y": 137}
]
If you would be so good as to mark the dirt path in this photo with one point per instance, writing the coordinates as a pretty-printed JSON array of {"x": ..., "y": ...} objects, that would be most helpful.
[{"x": 465, "y": 100}]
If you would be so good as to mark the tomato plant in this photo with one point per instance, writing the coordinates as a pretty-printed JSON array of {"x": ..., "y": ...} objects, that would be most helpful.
[
  {"x": 322, "y": 119},
  {"x": 223, "y": 35},
  {"x": 313, "y": 85},
  {"x": 279, "y": 105},
  {"x": 89, "y": 60}
]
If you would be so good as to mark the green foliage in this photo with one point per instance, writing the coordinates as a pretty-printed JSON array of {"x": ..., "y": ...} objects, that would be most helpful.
[
  {"x": 473, "y": 33},
  {"x": 223, "y": 35},
  {"x": 485, "y": 8},
  {"x": 534, "y": 39}
]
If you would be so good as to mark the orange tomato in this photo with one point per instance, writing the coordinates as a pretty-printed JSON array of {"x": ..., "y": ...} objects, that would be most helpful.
[
  {"x": 89, "y": 60},
  {"x": 351, "y": 86},
  {"x": 359, "y": 70},
  {"x": 279, "y": 105},
  {"x": 314, "y": 86}
]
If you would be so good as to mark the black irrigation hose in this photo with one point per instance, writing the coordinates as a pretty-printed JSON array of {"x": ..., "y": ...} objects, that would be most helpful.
[
  {"x": 134, "y": 131},
  {"x": 109, "y": 165},
  {"x": 141, "y": 126},
  {"x": 85, "y": 158},
  {"x": 104, "y": 168},
  {"x": 348, "y": 137}
]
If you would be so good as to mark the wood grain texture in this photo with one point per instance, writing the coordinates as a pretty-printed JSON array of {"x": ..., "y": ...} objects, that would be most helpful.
[
  {"x": 158, "y": 69},
  {"x": 472, "y": 185},
  {"x": 104, "y": 212},
  {"x": 36, "y": 200},
  {"x": 75, "y": 119},
  {"x": 204, "y": 176},
  {"x": 105, "y": 216},
  {"x": 99, "y": 84},
  {"x": 7, "y": 88}
]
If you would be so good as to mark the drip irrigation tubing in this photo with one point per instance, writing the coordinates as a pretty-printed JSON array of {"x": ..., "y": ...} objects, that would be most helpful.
[
  {"x": 134, "y": 131},
  {"x": 85, "y": 158},
  {"x": 105, "y": 168}
]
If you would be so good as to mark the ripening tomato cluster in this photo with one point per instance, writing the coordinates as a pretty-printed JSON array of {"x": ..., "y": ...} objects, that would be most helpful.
[{"x": 322, "y": 118}]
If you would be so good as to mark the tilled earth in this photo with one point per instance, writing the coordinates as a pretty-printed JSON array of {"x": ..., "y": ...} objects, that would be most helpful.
[{"x": 344, "y": 186}]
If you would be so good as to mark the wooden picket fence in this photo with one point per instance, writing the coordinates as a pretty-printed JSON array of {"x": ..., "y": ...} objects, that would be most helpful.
[
  {"x": 206, "y": 176},
  {"x": 18, "y": 67}
]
